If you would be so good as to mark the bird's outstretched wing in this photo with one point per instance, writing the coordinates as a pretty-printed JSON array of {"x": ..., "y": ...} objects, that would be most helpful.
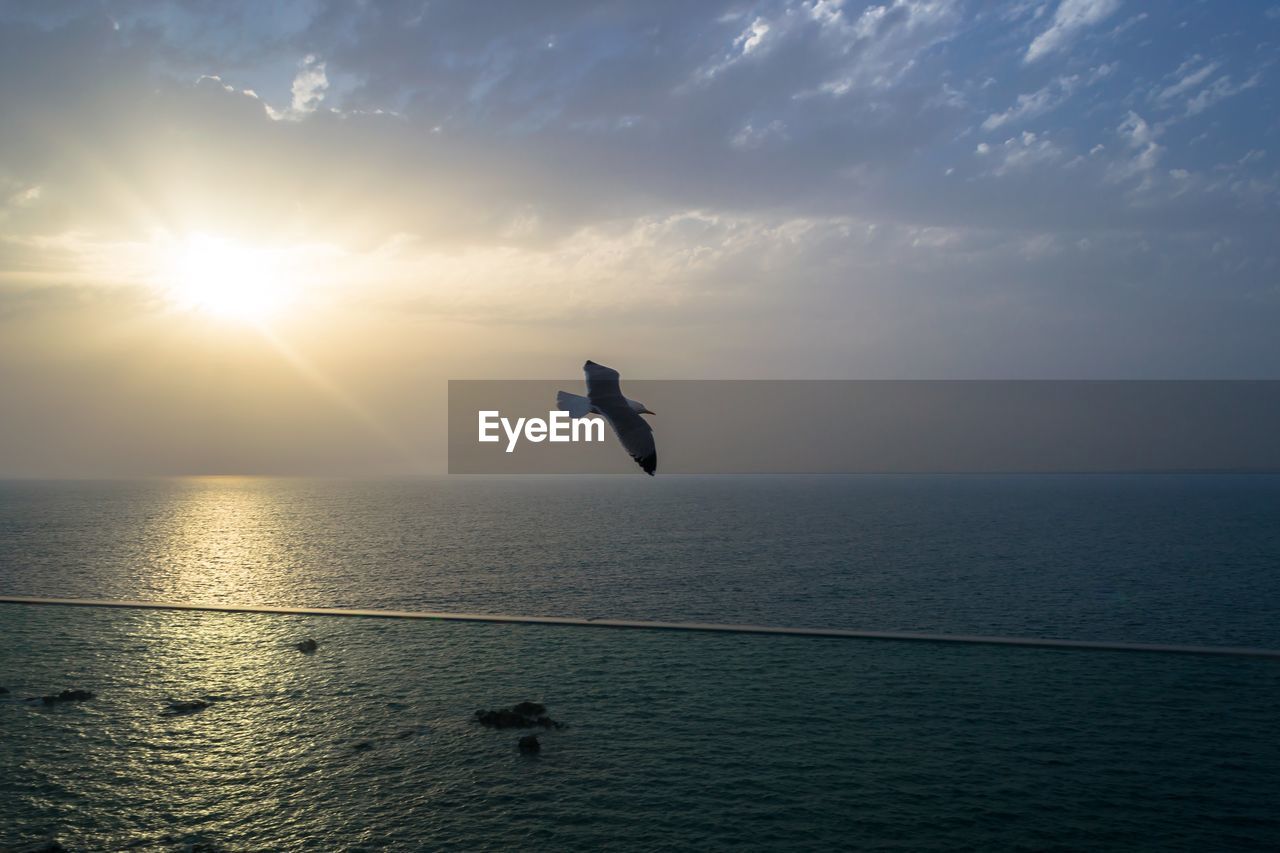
[
  {"x": 575, "y": 404},
  {"x": 635, "y": 435}
]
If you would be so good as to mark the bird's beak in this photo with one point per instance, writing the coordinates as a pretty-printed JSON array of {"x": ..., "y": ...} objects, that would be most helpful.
[{"x": 647, "y": 412}]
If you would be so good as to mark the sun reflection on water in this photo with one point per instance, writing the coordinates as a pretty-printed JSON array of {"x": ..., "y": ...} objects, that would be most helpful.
[
  {"x": 252, "y": 676},
  {"x": 226, "y": 539}
]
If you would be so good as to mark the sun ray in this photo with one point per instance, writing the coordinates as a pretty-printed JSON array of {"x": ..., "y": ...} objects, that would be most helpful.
[{"x": 338, "y": 394}]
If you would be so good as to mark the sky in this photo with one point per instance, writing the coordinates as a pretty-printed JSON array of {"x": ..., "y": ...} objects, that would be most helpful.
[{"x": 260, "y": 238}]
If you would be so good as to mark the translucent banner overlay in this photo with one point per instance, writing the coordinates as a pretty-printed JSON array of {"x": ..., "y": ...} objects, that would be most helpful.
[{"x": 800, "y": 426}]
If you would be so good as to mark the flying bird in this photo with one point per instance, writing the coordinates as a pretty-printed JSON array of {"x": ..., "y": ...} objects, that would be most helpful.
[{"x": 604, "y": 398}]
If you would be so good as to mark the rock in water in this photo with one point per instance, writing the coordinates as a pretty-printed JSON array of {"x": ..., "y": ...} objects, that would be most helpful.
[
  {"x": 51, "y": 846},
  {"x": 308, "y": 646},
  {"x": 529, "y": 743},
  {"x": 525, "y": 715},
  {"x": 186, "y": 707},
  {"x": 67, "y": 696}
]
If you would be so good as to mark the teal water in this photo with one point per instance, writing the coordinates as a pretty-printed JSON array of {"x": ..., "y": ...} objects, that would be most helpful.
[
  {"x": 1137, "y": 558},
  {"x": 674, "y": 741}
]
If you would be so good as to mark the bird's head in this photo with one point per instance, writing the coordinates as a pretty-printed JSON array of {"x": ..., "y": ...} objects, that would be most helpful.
[{"x": 639, "y": 408}]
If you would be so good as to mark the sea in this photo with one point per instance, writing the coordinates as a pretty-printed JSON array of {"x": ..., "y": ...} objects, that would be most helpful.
[{"x": 671, "y": 740}]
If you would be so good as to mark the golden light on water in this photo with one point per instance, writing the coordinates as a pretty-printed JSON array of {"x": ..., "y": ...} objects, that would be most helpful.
[{"x": 223, "y": 542}]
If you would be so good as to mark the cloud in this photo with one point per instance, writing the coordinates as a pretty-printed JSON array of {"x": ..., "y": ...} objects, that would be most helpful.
[
  {"x": 1192, "y": 91},
  {"x": 1219, "y": 90},
  {"x": 308, "y": 90},
  {"x": 1048, "y": 97},
  {"x": 1141, "y": 138},
  {"x": 26, "y": 196},
  {"x": 753, "y": 36},
  {"x": 882, "y": 44},
  {"x": 1021, "y": 153},
  {"x": 1034, "y": 104},
  {"x": 749, "y": 41},
  {"x": 1071, "y": 17},
  {"x": 750, "y": 136},
  {"x": 1127, "y": 23},
  {"x": 808, "y": 174},
  {"x": 1188, "y": 81}
]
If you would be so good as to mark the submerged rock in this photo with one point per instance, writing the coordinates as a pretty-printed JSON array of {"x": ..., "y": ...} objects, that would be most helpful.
[
  {"x": 66, "y": 696},
  {"x": 529, "y": 743},
  {"x": 189, "y": 707},
  {"x": 50, "y": 846},
  {"x": 4, "y": 691},
  {"x": 525, "y": 715},
  {"x": 307, "y": 646}
]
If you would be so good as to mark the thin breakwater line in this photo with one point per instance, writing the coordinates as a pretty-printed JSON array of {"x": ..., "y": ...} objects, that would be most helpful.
[{"x": 707, "y": 627}]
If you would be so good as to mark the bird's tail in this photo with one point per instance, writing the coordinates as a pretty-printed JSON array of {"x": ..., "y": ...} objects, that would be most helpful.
[{"x": 577, "y": 406}]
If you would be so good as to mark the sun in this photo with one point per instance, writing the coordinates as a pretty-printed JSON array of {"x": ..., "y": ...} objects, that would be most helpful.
[{"x": 225, "y": 279}]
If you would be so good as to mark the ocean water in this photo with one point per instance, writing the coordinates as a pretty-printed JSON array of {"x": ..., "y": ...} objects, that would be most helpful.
[
  {"x": 1154, "y": 558},
  {"x": 674, "y": 741}
]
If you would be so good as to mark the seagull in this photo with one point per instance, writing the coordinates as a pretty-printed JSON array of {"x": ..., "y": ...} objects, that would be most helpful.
[{"x": 604, "y": 398}]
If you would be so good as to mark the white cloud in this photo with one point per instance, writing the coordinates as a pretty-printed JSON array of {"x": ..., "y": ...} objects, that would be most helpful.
[
  {"x": 949, "y": 97},
  {"x": 882, "y": 44},
  {"x": 1219, "y": 90},
  {"x": 750, "y": 136},
  {"x": 26, "y": 196},
  {"x": 745, "y": 44},
  {"x": 215, "y": 80},
  {"x": 1034, "y": 103},
  {"x": 1136, "y": 19},
  {"x": 1187, "y": 82},
  {"x": 1189, "y": 87},
  {"x": 1140, "y": 137},
  {"x": 1102, "y": 72},
  {"x": 1022, "y": 153},
  {"x": 753, "y": 36},
  {"x": 309, "y": 87},
  {"x": 1071, "y": 17},
  {"x": 1136, "y": 131},
  {"x": 1052, "y": 95}
]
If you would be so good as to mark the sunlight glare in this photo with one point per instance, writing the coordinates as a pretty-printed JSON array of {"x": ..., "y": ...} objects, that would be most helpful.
[{"x": 228, "y": 280}]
